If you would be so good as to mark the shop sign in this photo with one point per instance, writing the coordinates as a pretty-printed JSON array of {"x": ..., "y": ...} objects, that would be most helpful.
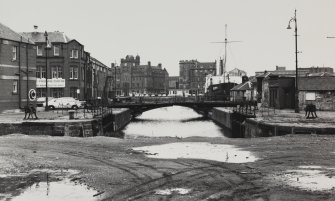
[{"x": 52, "y": 83}]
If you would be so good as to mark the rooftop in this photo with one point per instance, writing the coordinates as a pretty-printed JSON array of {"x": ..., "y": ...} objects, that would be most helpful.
[
  {"x": 242, "y": 87},
  {"x": 9, "y": 34},
  {"x": 54, "y": 37},
  {"x": 325, "y": 83}
]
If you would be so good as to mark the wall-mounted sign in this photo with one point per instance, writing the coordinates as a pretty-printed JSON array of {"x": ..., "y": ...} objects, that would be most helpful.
[
  {"x": 52, "y": 83},
  {"x": 32, "y": 94},
  {"x": 310, "y": 96}
]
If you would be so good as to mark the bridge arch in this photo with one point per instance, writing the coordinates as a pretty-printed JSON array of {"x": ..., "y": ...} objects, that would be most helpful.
[{"x": 199, "y": 107}]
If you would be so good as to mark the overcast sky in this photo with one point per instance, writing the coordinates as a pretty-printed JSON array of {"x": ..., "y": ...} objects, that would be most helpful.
[{"x": 166, "y": 31}]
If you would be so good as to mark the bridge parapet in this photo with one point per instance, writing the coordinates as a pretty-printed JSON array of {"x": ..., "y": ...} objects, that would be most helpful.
[{"x": 246, "y": 108}]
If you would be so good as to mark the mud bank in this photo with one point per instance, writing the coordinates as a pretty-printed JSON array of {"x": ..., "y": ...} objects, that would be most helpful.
[{"x": 112, "y": 168}]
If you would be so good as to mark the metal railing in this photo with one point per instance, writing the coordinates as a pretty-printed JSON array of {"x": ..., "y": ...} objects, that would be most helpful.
[{"x": 97, "y": 107}]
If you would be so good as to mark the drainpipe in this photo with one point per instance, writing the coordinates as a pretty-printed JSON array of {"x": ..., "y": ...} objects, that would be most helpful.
[
  {"x": 79, "y": 70},
  {"x": 85, "y": 76},
  {"x": 27, "y": 63},
  {"x": 19, "y": 84}
]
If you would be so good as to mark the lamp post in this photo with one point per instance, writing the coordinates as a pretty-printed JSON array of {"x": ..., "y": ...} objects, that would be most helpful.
[
  {"x": 115, "y": 81},
  {"x": 294, "y": 19},
  {"x": 46, "y": 70}
]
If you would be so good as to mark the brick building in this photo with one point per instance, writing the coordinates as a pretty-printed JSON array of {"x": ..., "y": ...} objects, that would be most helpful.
[
  {"x": 281, "y": 70},
  {"x": 173, "y": 85},
  {"x": 313, "y": 70},
  {"x": 192, "y": 75},
  {"x": 132, "y": 78},
  {"x": 17, "y": 69},
  {"x": 63, "y": 61},
  {"x": 318, "y": 90},
  {"x": 99, "y": 79}
]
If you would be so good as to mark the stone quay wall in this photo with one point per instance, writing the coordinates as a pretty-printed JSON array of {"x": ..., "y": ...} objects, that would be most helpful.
[
  {"x": 121, "y": 119},
  {"x": 222, "y": 116},
  {"x": 112, "y": 122},
  {"x": 52, "y": 128},
  {"x": 255, "y": 128},
  {"x": 250, "y": 127}
]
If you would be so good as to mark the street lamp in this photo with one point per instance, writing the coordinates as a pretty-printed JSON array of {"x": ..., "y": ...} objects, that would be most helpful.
[
  {"x": 294, "y": 19},
  {"x": 48, "y": 46}
]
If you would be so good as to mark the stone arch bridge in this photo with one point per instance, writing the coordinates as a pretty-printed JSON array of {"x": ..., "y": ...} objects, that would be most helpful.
[{"x": 200, "y": 107}]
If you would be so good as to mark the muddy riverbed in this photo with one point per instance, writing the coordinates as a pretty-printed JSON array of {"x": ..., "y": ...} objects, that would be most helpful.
[{"x": 290, "y": 167}]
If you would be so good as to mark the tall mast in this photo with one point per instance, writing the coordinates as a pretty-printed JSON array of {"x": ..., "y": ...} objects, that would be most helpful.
[
  {"x": 225, "y": 52},
  {"x": 224, "y": 63}
]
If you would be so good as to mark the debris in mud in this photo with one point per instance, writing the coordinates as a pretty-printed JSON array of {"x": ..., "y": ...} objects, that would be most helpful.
[{"x": 181, "y": 191}]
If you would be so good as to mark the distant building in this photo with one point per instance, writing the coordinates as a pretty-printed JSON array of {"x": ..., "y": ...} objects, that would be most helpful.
[
  {"x": 280, "y": 70},
  {"x": 220, "y": 92},
  {"x": 319, "y": 70},
  {"x": 17, "y": 69},
  {"x": 246, "y": 91},
  {"x": 192, "y": 75},
  {"x": 233, "y": 76},
  {"x": 132, "y": 78},
  {"x": 173, "y": 85}
]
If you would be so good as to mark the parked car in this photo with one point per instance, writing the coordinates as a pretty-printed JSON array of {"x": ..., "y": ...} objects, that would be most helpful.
[
  {"x": 41, "y": 100},
  {"x": 64, "y": 102}
]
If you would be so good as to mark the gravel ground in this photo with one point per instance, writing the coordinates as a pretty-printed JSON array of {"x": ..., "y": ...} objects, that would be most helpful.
[{"x": 110, "y": 166}]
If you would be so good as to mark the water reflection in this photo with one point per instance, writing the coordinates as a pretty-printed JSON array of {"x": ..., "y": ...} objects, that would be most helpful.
[
  {"x": 53, "y": 185},
  {"x": 55, "y": 191},
  {"x": 173, "y": 121},
  {"x": 198, "y": 150}
]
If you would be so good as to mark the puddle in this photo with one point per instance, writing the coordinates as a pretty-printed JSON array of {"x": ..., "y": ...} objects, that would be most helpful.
[
  {"x": 47, "y": 184},
  {"x": 310, "y": 179},
  {"x": 54, "y": 191},
  {"x": 310, "y": 167},
  {"x": 198, "y": 150},
  {"x": 181, "y": 191}
]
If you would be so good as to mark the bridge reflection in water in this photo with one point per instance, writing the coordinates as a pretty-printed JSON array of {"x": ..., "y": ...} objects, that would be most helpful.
[{"x": 175, "y": 121}]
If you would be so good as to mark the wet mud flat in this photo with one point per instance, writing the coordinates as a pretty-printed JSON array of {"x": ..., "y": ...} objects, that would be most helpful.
[{"x": 279, "y": 168}]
